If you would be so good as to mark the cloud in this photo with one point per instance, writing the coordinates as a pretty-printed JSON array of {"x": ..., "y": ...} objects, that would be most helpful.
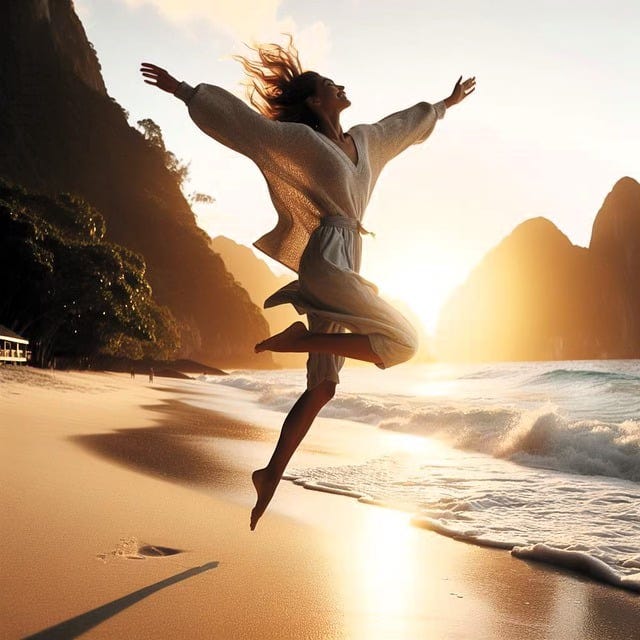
[
  {"x": 246, "y": 21},
  {"x": 239, "y": 18},
  {"x": 313, "y": 42}
]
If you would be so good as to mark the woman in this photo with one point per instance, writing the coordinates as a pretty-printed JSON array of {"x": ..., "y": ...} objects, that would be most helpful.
[{"x": 320, "y": 180}]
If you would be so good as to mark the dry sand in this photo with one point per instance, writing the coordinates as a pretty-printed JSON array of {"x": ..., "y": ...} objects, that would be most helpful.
[{"x": 103, "y": 477}]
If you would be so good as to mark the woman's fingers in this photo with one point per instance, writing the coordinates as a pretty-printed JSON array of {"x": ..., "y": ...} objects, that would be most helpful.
[
  {"x": 158, "y": 77},
  {"x": 469, "y": 86},
  {"x": 149, "y": 70},
  {"x": 463, "y": 89},
  {"x": 153, "y": 74},
  {"x": 152, "y": 66}
]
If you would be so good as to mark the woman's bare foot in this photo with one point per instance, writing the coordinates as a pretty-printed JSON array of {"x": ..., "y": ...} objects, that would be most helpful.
[
  {"x": 266, "y": 486},
  {"x": 285, "y": 340}
]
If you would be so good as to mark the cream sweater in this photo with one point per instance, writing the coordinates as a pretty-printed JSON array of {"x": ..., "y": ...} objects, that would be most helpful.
[{"x": 308, "y": 175}]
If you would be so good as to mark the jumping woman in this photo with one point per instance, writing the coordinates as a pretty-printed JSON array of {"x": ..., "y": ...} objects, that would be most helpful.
[{"x": 320, "y": 180}]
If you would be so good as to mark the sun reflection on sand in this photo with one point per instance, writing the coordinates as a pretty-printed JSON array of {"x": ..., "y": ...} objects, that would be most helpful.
[{"x": 386, "y": 576}]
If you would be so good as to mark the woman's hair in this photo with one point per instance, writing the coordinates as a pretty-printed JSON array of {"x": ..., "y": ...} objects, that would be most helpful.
[{"x": 277, "y": 85}]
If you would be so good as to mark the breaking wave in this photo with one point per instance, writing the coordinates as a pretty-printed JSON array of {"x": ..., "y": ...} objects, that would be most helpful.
[{"x": 541, "y": 437}]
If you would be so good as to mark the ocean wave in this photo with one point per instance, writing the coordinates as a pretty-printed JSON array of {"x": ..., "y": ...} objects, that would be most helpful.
[
  {"x": 582, "y": 375},
  {"x": 487, "y": 373},
  {"x": 239, "y": 381},
  {"x": 580, "y": 561},
  {"x": 534, "y": 478},
  {"x": 542, "y": 437},
  {"x": 587, "y": 447},
  {"x": 590, "y": 525}
]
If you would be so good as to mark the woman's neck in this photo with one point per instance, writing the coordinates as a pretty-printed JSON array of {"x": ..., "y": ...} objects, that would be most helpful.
[{"x": 330, "y": 126}]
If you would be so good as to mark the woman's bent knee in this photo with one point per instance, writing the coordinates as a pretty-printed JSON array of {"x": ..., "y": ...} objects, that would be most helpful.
[
  {"x": 329, "y": 389},
  {"x": 405, "y": 351},
  {"x": 410, "y": 343},
  {"x": 325, "y": 390},
  {"x": 395, "y": 349}
]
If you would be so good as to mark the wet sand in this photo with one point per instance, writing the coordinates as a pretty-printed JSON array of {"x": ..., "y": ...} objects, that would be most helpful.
[{"x": 125, "y": 514}]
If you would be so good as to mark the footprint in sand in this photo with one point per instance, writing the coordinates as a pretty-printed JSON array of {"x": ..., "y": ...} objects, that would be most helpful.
[
  {"x": 130, "y": 549},
  {"x": 154, "y": 551}
]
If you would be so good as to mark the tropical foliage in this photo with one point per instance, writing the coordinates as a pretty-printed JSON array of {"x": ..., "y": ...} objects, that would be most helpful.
[{"x": 68, "y": 290}]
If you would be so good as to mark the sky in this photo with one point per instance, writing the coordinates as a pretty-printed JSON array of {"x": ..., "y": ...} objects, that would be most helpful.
[{"x": 551, "y": 126}]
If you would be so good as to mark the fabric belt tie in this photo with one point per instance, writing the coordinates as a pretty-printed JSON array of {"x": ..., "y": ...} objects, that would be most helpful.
[{"x": 345, "y": 223}]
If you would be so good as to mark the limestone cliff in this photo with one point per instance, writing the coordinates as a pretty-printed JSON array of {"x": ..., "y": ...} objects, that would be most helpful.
[
  {"x": 615, "y": 242},
  {"x": 536, "y": 296},
  {"x": 254, "y": 275},
  {"x": 60, "y": 131}
]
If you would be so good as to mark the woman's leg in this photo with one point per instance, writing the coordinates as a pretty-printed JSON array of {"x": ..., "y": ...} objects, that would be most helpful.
[
  {"x": 294, "y": 429},
  {"x": 297, "y": 338}
]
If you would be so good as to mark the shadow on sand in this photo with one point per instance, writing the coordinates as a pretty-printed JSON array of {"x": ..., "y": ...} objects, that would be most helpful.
[
  {"x": 173, "y": 449},
  {"x": 75, "y": 627}
]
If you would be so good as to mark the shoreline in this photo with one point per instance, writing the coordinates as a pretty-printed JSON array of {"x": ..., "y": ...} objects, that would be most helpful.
[
  {"x": 576, "y": 558},
  {"x": 92, "y": 459}
]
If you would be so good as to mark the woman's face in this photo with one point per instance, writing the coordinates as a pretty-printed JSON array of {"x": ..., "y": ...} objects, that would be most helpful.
[{"x": 331, "y": 96}]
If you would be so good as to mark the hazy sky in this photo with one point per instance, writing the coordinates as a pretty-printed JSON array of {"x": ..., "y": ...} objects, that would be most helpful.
[{"x": 552, "y": 124}]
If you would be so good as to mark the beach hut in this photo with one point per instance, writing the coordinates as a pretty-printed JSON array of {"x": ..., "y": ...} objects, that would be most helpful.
[{"x": 13, "y": 348}]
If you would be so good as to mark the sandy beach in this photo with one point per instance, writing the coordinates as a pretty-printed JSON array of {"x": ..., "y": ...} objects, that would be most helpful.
[{"x": 125, "y": 514}]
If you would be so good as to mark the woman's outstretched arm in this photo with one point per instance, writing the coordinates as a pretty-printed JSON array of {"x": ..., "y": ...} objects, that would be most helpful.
[
  {"x": 223, "y": 116},
  {"x": 396, "y": 132}
]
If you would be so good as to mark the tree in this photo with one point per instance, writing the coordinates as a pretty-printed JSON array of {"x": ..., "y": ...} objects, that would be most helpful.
[
  {"x": 195, "y": 197},
  {"x": 153, "y": 135},
  {"x": 70, "y": 292}
]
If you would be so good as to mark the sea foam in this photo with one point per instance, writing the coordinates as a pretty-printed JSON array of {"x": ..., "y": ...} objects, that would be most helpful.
[
  {"x": 538, "y": 434},
  {"x": 539, "y": 458},
  {"x": 591, "y": 525}
]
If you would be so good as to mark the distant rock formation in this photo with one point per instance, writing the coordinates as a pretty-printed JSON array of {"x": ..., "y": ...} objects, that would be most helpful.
[
  {"x": 256, "y": 277},
  {"x": 61, "y": 132},
  {"x": 536, "y": 296},
  {"x": 615, "y": 242}
]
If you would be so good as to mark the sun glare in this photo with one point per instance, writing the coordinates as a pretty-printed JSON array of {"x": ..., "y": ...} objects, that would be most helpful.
[
  {"x": 423, "y": 297},
  {"x": 387, "y": 574}
]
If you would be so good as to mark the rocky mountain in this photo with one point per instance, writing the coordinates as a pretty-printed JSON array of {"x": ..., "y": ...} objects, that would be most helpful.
[
  {"x": 615, "y": 240},
  {"x": 61, "y": 132},
  {"x": 536, "y": 296},
  {"x": 260, "y": 282}
]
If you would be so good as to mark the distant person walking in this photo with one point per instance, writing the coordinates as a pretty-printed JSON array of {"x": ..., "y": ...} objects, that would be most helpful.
[
  {"x": 151, "y": 374},
  {"x": 133, "y": 373},
  {"x": 320, "y": 179}
]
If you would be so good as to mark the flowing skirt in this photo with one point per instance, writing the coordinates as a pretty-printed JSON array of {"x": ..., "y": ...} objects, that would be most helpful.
[{"x": 335, "y": 298}]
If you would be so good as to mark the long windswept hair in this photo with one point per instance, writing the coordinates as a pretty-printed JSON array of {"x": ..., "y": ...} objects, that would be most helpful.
[{"x": 277, "y": 85}]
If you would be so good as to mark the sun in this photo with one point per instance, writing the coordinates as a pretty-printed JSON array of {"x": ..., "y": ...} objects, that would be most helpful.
[{"x": 424, "y": 287}]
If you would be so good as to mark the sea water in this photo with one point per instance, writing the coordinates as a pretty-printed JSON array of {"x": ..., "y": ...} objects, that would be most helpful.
[{"x": 540, "y": 458}]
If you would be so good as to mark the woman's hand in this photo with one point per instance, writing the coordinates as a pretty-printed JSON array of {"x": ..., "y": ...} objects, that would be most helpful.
[
  {"x": 461, "y": 91},
  {"x": 159, "y": 77}
]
